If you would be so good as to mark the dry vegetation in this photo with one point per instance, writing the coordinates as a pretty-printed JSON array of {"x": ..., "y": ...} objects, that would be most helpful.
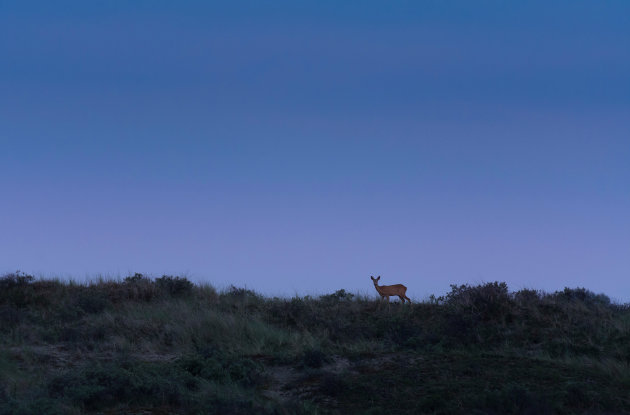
[{"x": 165, "y": 346}]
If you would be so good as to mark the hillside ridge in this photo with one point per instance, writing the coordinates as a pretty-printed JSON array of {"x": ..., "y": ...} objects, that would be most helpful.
[{"x": 167, "y": 346}]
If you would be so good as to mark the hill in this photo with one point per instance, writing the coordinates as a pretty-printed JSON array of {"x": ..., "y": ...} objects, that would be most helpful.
[{"x": 167, "y": 346}]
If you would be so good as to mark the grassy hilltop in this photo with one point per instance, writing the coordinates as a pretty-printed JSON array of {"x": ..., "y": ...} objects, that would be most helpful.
[{"x": 165, "y": 345}]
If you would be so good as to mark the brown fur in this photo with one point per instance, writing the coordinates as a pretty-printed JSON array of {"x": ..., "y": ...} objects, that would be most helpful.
[{"x": 385, "y": 291}]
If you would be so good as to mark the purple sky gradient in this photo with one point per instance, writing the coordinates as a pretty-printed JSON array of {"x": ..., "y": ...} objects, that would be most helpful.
[{"x": 301, "y": 149}]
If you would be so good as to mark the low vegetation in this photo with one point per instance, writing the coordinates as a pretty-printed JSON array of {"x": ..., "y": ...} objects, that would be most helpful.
[{"x": 168, "y": 346}]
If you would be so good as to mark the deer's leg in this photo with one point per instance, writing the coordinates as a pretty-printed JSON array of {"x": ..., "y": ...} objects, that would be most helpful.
[{"x": 408, "y": 299}]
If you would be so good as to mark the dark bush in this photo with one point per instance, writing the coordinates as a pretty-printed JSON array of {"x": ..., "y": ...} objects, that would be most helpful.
[
  {"x": 339, "y": 295},
  {"x": 10, "y": 316},
  {"x": 527, "y": 297},
  {"x": 485, "y": 302},
  {"x": 137, "y": 278},
  {"x": 583, "y": 295},
  {"x": 91, "y": 301},
  {"x": 397, "y": 328},
  {"x": 15, "y": 288},
  {"x": 174, "y": 286},
  {"x": 245, "y": 371},
  {"x": 16, "y": 279},
  {"x": 215, "y": 367},
  {"x": 241, "y": 293},
  {"x": 292, "y": 313},
  {"x": 102, "y": 385},
  {"x": 210, "y": 368},
  {"x": 136, "y": 287}
]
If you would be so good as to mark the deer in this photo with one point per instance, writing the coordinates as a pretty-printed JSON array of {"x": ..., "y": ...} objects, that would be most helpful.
[{"x": 386, "y": 290}]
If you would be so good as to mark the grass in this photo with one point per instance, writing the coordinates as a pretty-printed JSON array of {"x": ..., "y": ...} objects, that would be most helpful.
[{"x": 168, "y": 346}]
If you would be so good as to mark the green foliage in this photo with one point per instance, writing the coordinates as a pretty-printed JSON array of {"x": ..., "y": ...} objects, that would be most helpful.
[
  {"x": 103, "y": 385},
  {"x": 169, "y": 346},
  {"x": 219, "y": 367}
]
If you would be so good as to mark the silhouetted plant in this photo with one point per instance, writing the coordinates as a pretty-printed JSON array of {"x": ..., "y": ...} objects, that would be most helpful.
[
  {"x": 16, "y": 288},
  {"x": 527, "y": 297},
  {"x": 583, "y": 295},
  {"x": 338, "y": 295},
  {"x": 16, "y": 279},
  {"x": 475, "y": 348},
  {"x": 487, "y": 302},
  {"x": 137, "y": 278},
  {"x": 241, "y": 293},
  {"x": 174, "y": 285}
]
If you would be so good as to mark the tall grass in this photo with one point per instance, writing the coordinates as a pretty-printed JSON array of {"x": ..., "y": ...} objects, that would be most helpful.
[{"x": 170, "y": 346}]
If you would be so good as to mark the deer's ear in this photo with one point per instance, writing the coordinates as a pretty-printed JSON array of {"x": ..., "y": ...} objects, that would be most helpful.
[{"x": 379, "y": 277}]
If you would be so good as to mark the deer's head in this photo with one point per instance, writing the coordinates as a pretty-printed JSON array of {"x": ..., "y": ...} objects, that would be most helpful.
[{"x": 375, "y": 280}]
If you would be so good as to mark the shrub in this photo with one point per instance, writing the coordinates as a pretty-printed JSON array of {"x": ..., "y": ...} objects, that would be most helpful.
[
  {"x": 16, "y": 288},
  {"x": 15, "y": 279},
  {"x": 102, "y": 385},
  {"x": 241, "y": 293},
  {"x": 339, "y": 295},
  {"x": 137, "y": 278},
  {"x": 583, "y": 295},
  {"x": 397, "y": 328},
  {"x": 221, "y": 368},
  {"x": 245, "y": 371},
  {"x": 136, "y": 287},
  {"x": 91, "y": 301},
  {"x": 210, "y": 368},
  {"x": 527, "y": 297},
  {"x": 174, "y": 286},
  {"x": 10, "y": 317},
  {"x": 486, "y": 302}
]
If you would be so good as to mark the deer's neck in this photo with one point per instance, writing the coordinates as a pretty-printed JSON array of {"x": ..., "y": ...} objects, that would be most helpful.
[{"x": 378, "y": 288}]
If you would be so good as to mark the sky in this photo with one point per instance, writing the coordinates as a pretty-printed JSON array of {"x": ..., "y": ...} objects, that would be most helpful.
[{"x": 298, "y": 147}]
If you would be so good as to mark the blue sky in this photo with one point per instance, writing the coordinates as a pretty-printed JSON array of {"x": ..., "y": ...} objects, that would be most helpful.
[{"x": 300, "y": 147}]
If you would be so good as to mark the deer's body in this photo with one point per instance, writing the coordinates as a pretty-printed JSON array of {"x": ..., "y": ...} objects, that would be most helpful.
[{"x": 385, "y": 291}]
